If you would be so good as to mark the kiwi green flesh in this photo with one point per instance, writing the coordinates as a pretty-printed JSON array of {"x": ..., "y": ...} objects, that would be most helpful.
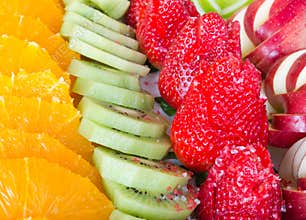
[
  {"x": 153, "y": 148},
  {"x": 99, "y": 17},
  {"x": 143, "y": 204},
  {"x": 134, "y": 122},
  {"x": 118, "y": 215},
  {"x": 72, "y": 18},
  {"x": 151, "y": 176},
  {"x": 103, "y": 74},
  {"x": 113, "y": 94},
  {"x": 114, "y": 8},
  {"x": 104, "y": 57},
  {"x": 107, "y": 45}
]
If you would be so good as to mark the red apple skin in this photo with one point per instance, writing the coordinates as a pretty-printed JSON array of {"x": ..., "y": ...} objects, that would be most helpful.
[
  {"x": 288, "y": 39},
  {"x": 301, "y": 183},
  {"x": 250, "y": 18},
  {"x": 279, "y": 19},
  {"x": 294, "y": 102},
  {"x": 278, "y": 5},
  {"x": 295, "y": 202},
  {"x": 290, "y": 77},
  {"x": 289, "y": 122},
  {"x": 284, "y": 139}
]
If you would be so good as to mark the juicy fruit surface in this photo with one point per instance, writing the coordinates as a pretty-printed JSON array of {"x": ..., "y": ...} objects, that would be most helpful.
[
  {"x": 41, "y": 84},
  {"x": 201, "y": 42},
  {"x": 46, "y": 10},
  {"x": 135, "y": 13},
  {"x": 15, "y": 144},
  {"x": 60, "y": 121},
  {"x": 22, "y": 27},
  {"x": 241, "y": 185},
  {"x": 222, "y": 108},
  {"x": 16, "y": 54},
  {"x": 35, "y": 187},
  {"x": 161, "y": 23}
]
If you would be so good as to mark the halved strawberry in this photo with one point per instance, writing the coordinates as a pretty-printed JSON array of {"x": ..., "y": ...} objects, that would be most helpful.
[
  {"x": 162, "y": 21},
  {"x": 203, "y": 40},
  {"x": 241, "y": 185},
  {"x": 222, "y": 108}
]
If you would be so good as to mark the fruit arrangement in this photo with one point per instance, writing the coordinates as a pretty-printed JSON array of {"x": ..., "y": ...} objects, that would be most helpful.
[{"x": 85, "y": 132}]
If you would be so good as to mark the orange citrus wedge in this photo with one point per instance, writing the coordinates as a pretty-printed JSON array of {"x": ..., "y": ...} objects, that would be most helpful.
[
  {"x": 16, "y": 55},
  {"x": 35, "y": 115},
  {"x": 47, "y": 10},
  {"x": 16, "y": 144},
  {"x": 35, "y": 187},
  {"x": 31, "y": 29}
]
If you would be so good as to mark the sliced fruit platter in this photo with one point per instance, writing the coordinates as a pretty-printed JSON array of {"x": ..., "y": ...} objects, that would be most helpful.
[{"x": 152, "y": 110}]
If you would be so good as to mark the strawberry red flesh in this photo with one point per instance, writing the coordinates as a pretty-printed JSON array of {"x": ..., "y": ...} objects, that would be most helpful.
[
  {"x": 135, "y": 13},
  {"x": 160, "y": 24},
  {"x": 241, "y": 185},
  {"x": 201, "y": 42},
  {"x": 222, "y": 108}
]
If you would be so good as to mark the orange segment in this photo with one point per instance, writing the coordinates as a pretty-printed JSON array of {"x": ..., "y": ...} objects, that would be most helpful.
[
  {"x": 29, "y": 28},
  {"x": 16, "y": 144},
  {"x": 35, "y": 187},
  {"x": 40, "y": 84},
  {"x": 34, "y": 115},
  {"x": 47, "y": 10},
  {"x": 16, "y": 54}
]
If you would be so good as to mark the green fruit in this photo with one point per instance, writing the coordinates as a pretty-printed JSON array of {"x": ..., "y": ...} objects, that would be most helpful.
[
  {"x": 118, "y": 215},
  {"x": 114, "y": 8}
]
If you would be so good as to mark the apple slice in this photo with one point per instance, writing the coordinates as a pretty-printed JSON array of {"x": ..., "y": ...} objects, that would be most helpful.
[
  {"x": 278, "y": 5},
  {"x": 284, "y": 139},
  {"x": 301, "y": 183},
  {"x": 246, "y": 44},
  {"x": 279, "y": 19},
  {"x": 299, "y": 156},
  {"x": 294, "y": 102},
  {"x": 256, "y": 14},
  {"x": 302, "y": 169},
  {"x": 289, "y": 122},
  {"x": 288, "y": 39},
  {"x": 295, "y": 202},
  {"x": 286, "y": 75},
  {"x": 286, "y": 164}
]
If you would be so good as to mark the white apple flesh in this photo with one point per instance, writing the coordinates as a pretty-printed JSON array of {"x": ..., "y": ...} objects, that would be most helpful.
[
  {"x": 298, "y": 159},
  {"x": 302, "y": 169}
]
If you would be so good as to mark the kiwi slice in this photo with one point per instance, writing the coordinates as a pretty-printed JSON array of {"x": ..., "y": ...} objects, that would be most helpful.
[
  {"x": 141, "y": 203},
  {"x": 107, "y": 45},
  {"x": 109, "y": 59},
  {"x": 118, "y": 215},
  {"x": 114, "y": 8},
  {"x": 113, "y": 94},
  {"x": 101, "y": 73},
  {"x": 151, "y": 176},
  {"x": 74, "y": 18},
  {"x": 100, "y": 18},
  {"x": 124, "y": 142},
  {"x": 135, "y": 122}
]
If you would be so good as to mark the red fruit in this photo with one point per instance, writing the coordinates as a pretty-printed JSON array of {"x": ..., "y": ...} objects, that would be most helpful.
[
  {"x": 222, "y": 108},
  {"x": 241, "y": 185},
  {"x": 135, "y": 13},
  {"x": 203, "y": 40},
  {"x": 162, "y": 21}
]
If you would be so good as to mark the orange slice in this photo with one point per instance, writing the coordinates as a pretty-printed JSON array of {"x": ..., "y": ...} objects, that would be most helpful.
[
  {"x": 16, "y": 55},
  {"x": 31, "y": 29},
  {"x": 16, "y": 144},
  {"x": 40, "y": 84},
  {"x": 34, "y": 115},
  {"x": 35, "y": 187},
  {"x": 47, "y": 10}
]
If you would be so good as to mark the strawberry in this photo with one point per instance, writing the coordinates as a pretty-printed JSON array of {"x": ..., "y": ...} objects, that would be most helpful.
[
  {"x": 203, "y": 40},
  {"x": 135, "y": 13},
  {"x": 222, "y": 108},
  {"x": 241, "y": 185},
  {"x": 162, "y": 21}
]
